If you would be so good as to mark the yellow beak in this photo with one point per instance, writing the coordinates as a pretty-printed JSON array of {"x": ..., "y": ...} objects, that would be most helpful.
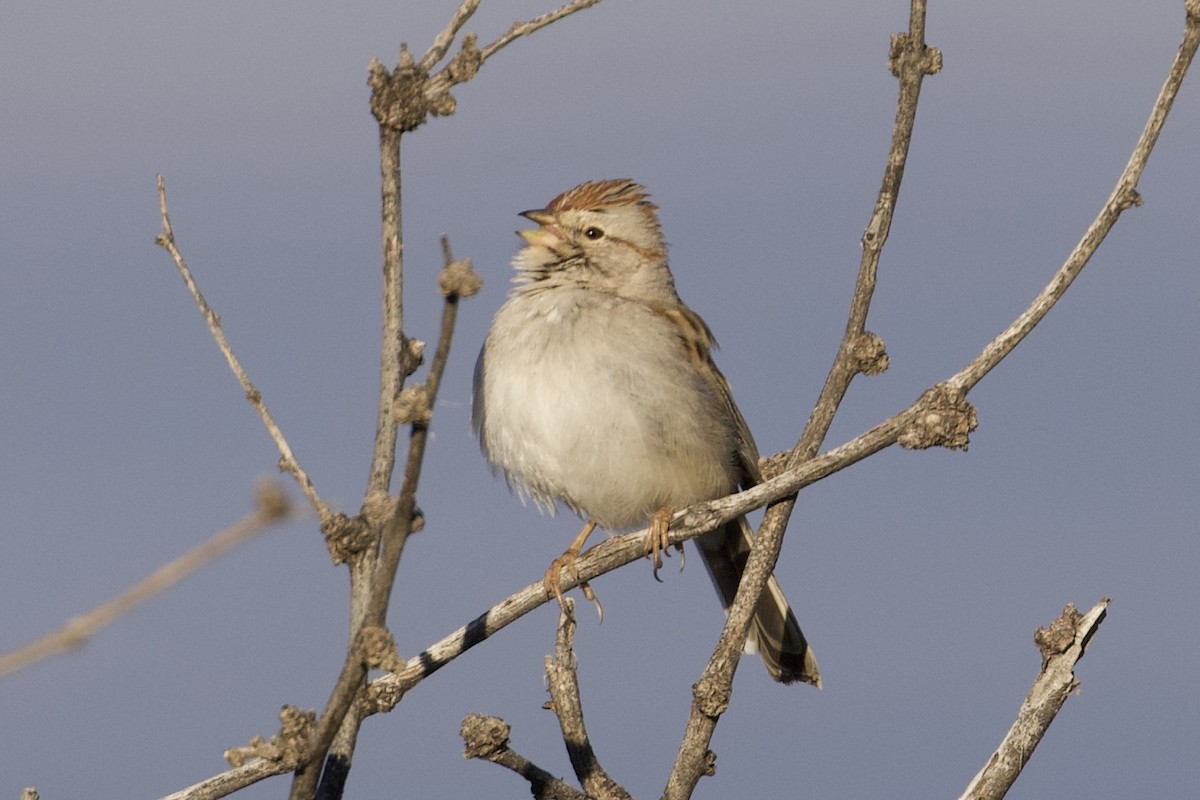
[{"x": 547, "y": 235}]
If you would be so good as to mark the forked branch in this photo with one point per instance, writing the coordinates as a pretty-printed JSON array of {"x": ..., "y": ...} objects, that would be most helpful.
[{"x": 487, "y": 737}]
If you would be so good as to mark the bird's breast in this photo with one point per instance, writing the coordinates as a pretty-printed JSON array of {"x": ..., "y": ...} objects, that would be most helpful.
[{"x": 592, "y": 400}]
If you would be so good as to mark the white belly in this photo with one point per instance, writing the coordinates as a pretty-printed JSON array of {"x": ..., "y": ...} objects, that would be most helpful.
[{"x": 604, "y": 415}]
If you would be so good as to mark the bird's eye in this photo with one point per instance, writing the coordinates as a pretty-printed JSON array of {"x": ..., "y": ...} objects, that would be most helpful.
[{"x": 593, "y": 233}]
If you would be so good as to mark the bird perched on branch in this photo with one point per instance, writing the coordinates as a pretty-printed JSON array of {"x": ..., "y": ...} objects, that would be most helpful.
[{"x": 596, "y": 388}]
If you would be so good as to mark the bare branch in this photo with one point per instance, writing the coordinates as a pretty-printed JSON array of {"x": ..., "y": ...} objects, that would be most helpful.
[
  {"x": 402, "y": 99},
  {"x": 287, "y": 460},
  {"x": 1124, "y": 195},
  {"x": 457, "y": 280},
  {"x": 263, "y": 758},
  {"x": 230, "y": 781},
  {"x": 341, "y": 755},
  {"x": 413, "y": 406},
  {"x": 487, "y": 738},
  {"x": 527, "y": 28},
  {"x": 563, "y": 681},
  {"x": 271, "y": 505},
  {"x": 860, "y": 351},
  {"x": 399, "y": 358},
  {"x": 1062, "y": 646}
]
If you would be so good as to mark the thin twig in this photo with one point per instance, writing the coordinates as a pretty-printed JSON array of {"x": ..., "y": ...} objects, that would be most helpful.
[
  {"x": 393, "y": 366},
  {"x": 1062, "y": 645},
  {"x": 441, "y": 43},
  {"x": 519, "y": 29},
  {"x": 911, "y": 60},
  {"x": 464, "y": 66},
  {"x": 230, "y": 781},
  {"x": 1124, "y": 195},
  {"x": 562, "y": 679},
  {"x": 287, "y": 460},
  {"x": 415, "y": 407},
  {"x": 271, "y": 505}
]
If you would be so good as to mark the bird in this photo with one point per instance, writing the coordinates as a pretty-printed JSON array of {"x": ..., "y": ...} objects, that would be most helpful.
[{"x": 596, "y": 388}]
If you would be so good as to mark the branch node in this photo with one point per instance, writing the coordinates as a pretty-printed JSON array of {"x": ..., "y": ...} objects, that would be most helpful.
[
  {"x": 378, "y": 508},
  {"x": 933, "y": 61},
  {"x": 377, "y": 647},
  {"x": 870, "y": 353},
  {"x": 712, "y": 696},
  {"x": 459, "y": 279},
  {"x": 907, "y": 52},
  {"x": 943, "y": 418},
  {"x": 1062, "y": 645},
  {"x": 412, "y": 356},
  {"x": 466, "y": 62},
  {"x": 398, "y": 97},
  {"x": 289, "y": 747},
  {"x": 412, "y": 406},
  {"x": 346, "y": 537},
  {"x": 775, "y": 465},
  {"x": 1128, "y": 199},
  {"x": 381, "y": 698},
  {"x": 484, "y": 736},
  {"x": 1063, "y": 633}
]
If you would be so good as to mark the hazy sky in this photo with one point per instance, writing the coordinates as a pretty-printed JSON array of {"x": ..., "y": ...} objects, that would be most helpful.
[{"x": 761, "y": 130}]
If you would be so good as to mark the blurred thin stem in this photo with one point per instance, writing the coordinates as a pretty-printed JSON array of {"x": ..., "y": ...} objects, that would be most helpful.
[{"x": 271, "y": 505}]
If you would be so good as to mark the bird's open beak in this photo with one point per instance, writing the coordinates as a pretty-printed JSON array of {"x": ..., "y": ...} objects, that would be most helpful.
[{"x": 547, "y": 234}]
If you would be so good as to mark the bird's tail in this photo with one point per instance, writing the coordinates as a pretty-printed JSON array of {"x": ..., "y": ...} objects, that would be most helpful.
[{"x": 774, "y": 633}]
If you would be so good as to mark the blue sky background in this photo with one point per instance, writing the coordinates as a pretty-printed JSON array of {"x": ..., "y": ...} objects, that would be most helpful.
[{"x": 761, "y": 129}]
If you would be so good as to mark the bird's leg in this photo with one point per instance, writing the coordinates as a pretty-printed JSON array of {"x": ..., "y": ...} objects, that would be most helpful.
[
  {"x": 552, "y": 580},
  {"x": 656, "y": 539}
]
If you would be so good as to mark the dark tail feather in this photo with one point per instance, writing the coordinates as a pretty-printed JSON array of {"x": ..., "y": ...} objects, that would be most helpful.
[{"x": 774, "y": 632}]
